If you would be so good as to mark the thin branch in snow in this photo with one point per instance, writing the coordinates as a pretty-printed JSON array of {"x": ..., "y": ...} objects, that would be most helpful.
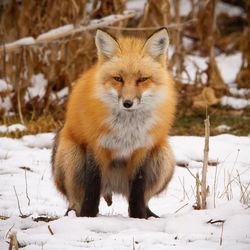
[
  {"x": 198, "y": 195},
  {"x": 13, "y": 241},
  {"x": 18, "y": 203},
  {"x": 6, "y": 235},
  {"x": 215, "y": 221},
  {"x": 26, "y": 187},
  {"x": 192, "y": 174},
  {"x": 184, "y": 189},
  {"x": 181, "y": 208},
  {"x": 205, "y": 164},
  {"x": 215, "y": 179},
  {"x": 221, "y": 235},
  {"x": 50, "y": 230}
]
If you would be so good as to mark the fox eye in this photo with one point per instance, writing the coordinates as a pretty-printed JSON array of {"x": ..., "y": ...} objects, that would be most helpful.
[
  {"x": 142, "y": 79},
  {"x": 118, "y": 78}
]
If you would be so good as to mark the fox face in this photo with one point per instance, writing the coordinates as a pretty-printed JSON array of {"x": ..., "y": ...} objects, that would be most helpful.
[{"x": 132, "y": 72}]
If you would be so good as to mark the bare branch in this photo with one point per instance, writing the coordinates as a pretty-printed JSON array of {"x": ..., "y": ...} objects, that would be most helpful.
[
  {"x": 181, "y": 208},
  {"x": 18, "y": 203},
  {"x": 205, "y": 164},
  {"x": 26, "y": 187},
  {"x": 50, "y": 230}
]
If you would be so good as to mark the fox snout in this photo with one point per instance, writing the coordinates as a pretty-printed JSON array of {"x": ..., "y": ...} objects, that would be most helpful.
[{"x": 128, "y": 103}]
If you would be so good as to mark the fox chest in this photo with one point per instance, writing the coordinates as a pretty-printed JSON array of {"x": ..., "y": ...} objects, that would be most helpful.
[{"x": 129, "y": 131}]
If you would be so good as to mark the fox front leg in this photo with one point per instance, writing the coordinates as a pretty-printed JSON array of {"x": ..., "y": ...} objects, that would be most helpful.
[
  {"x": 92, "y": 186},
  {"x": 137, "y": 206}
]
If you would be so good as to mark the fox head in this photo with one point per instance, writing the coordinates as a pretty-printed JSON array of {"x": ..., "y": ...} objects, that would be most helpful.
[{"x": 132, "y": 72}]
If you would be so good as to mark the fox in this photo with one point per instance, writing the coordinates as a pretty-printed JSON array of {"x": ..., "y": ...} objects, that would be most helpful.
[{"x": 115, "y": 138}]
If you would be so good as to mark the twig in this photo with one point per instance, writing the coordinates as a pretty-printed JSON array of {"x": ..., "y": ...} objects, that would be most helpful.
[
  {"x": 198, "y": 197},
  {"x": 205, "y": 164},
  {"x": 19, "y": 208},
  {"x": 181, "y": 208},
  {"x": 221, "y": 235},
  {"x": 9, "y": 230},
  {"x": 232, "y": 180},
  {"x": 26, "y": 187},
  {"x": 13, "y": 241},
  {"x": 222, "y": 227},
  {"x": 183, "y": 187},
  {"x": 192, "y": 174},
  {"x": 215, "y": 221},
  {"x": 215, "y": 179},
  {"x": 50, "y": 230}
]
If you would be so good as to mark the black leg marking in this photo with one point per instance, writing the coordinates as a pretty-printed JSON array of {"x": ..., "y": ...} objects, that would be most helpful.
[
  {"x": 137, "y": 207},
  {"x": 92, "y": 184},
  {"x": 151, "y": 214},
  {"x": 54, "y": 148}
]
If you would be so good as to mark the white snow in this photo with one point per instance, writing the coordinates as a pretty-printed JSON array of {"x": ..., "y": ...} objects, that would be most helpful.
[
  {"x": 180, "y": 226},
  {"x": 62, "y": 29},
  {"x": 136, "y": 5},
  {"x": 12, "y": 128},
  {"x": 239, "y": 92},
  {"x": 236, "y": 103},
  {"x": 22, "y": 41},
  {"x": 25, "y": 41},
  {"x": 223, "y": 128},
  {"x": 5, "y": 103},
  {"x": 232, "y": 10},
  {"x": 192, "y": 65},
  {"x": 229, "y": 66},
  {"x": 4, "y": 86},
  {"x": 37, "y": 88},
  {"x": 185, "y": 7}
]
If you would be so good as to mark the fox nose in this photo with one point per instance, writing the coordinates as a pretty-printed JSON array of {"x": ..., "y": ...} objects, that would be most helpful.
[{"x": 127, "y": 104}]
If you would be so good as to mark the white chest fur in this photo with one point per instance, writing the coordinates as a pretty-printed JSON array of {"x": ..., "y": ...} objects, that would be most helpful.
[{"x": 129, "y": 131}]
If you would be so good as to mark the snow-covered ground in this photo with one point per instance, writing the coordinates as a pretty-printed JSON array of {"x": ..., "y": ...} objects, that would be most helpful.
[{"x": 25, "y": 169}]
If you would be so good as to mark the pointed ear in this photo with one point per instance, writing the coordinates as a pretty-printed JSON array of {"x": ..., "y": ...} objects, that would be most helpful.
[
  {"x": 106, "y": 45},
  {"x": 157, "y": 44}
]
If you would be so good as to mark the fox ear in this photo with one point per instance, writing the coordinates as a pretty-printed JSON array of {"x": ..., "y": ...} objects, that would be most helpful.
[
  {"x": 157, "y": 44},
  {"x": 106, "y": 45}
]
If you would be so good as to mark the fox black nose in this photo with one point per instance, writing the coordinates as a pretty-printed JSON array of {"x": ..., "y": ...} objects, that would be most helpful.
[{"x": 127, "y": 104}]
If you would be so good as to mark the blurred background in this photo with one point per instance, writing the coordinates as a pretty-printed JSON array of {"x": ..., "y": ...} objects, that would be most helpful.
[{"x": 45, "y": 45}]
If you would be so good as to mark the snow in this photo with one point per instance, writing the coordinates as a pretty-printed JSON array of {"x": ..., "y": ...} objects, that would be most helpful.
[
  {"x": 180, "y": 226},
  {"x": 12, "y": 128},
  {"x": 239, "y": 92},
  {"x": 232, "y": 10},
  {"x": 192, "y": 65},
  {"x": 5, "y": 103},
  {"x": 4, "y": 86},
  {"x": 62, "y": 29},
  {"x": 136, "y": 5},
  {"x": 25, "y": 41},
  {"x": 185, "y": 7},
  {"x": 223, "y": 128},
  {"x": 22, "y": 41},
  {"x": 236, "y": 103},
  {"x": 229, "y": 66},
  {"x": 37, "y": 88}
]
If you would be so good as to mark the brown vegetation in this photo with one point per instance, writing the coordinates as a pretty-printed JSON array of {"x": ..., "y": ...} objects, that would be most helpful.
[{"x": 61, "y": 60}]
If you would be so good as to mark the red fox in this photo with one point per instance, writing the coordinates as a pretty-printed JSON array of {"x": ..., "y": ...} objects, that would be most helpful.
[{"x": 115, "y": 136}]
